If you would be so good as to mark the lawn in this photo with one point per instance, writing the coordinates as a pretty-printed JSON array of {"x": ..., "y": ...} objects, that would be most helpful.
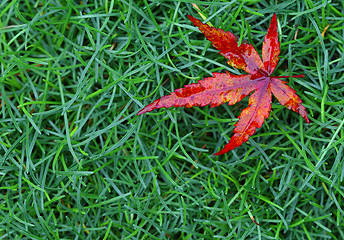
[{"x": 78, "y": 163}]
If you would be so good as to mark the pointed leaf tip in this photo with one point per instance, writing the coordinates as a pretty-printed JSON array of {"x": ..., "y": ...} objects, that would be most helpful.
[{"x": 192, "y": 19}]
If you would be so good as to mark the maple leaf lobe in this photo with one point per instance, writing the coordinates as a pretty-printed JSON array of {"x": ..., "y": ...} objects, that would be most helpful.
[
  {"x": 271, "y": 47},
  {"x": 221, "y": 88},
  {"x": 243, "y": 57},
  {"x": 251, "y": 117},
  {"x": 287, "y": 97}
]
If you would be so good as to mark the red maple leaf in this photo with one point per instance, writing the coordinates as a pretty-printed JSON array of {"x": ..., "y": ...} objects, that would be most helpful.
[{"x": 226, "y": 87}]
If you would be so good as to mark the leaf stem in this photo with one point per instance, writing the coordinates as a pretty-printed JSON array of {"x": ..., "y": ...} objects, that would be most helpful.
[{"x": 294, "y": 76}]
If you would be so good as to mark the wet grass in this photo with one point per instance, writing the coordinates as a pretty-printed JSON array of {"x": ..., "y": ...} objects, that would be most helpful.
[{"x": 77, "y": 162}]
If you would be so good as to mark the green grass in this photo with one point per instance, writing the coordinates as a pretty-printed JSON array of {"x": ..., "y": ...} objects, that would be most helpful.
[{"x": 77, "y": 163}]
